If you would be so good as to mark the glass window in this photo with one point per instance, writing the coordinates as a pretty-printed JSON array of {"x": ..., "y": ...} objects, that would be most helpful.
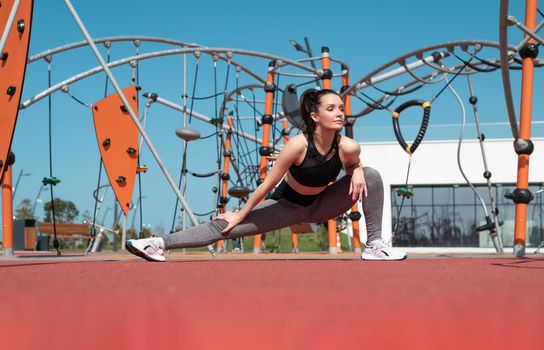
[
  {"x": 464, "y": 195},
  {"x": 447, "y": 216},
  {"x": 443, "y": 195},
  {"x": 422, "y": 195}
]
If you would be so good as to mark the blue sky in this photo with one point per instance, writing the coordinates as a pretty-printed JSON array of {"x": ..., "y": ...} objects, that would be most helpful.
[{"x": 364, "y": 34}]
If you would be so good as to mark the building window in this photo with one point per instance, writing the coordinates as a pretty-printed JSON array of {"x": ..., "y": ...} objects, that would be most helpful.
[{"x": 447, "y": 216}]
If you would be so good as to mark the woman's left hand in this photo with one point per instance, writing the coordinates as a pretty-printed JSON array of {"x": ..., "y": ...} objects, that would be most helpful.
[
  {"x": 357, "y": 186},
  {"x": 232, "y": 219}
]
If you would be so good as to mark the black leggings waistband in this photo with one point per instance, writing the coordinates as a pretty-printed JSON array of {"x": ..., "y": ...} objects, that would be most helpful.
[{"x": 287, "y": 192}]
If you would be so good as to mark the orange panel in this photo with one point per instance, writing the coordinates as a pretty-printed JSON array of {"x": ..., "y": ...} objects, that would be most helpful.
[
  {"x": 12, "y": 70},
  {"x": 117, "y": 137}
]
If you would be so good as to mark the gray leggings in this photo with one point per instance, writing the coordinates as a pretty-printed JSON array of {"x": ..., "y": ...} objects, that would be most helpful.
[{"x": 272, "y": 215}]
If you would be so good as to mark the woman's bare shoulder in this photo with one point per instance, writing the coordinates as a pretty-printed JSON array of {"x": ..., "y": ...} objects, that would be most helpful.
[
  {"x": 348, "y": 145},
  {"x": 298, "y": 142}
]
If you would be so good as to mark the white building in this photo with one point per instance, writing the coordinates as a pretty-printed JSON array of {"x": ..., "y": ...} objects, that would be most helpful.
[{"x": 444, "y": 211}]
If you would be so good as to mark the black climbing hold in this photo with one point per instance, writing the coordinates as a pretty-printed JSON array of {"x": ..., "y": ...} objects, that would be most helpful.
[
  {"x": 269, "y": 87},
  {"x": 11, "y": 90},
  {"x": 267, "y": 119},
  {"x": 354, "y": 216},
  {"x": 327, "y": 74},
  {"x": 21, "y": 25},
  {"x": 524, "y": 146},
  {"x": 11, "y": 159},
  {"x": 529, "y": 51},
  {"x": 520, "y": 195},
  {"x": 265, "y": 151}
]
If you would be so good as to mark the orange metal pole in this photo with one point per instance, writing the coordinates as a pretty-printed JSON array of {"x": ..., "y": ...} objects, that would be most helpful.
[
  {"x": 354, "y": 216},
  {"x": 265, "y": 149},
  {"x": 7, "y": 213},
  {"x": 225, "y": 177},
  {"x": 520, "y": 227},
  {"x": 326, "y": 66},
  {"x": 285, "y": 129}
]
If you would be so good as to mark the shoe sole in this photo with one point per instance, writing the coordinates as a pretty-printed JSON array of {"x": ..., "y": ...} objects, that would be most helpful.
[
  {"x": 383, "y": 259},
  {"x": 139, "y": 253}
]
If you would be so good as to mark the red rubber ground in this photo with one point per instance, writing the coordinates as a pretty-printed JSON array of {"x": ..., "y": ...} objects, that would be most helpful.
[{"x": 441, "y": 303}]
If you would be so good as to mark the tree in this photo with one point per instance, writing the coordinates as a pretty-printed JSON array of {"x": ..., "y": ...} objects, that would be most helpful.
[
  {"x": 65, "y": 211},
  {"x": 24, "y": 210}
]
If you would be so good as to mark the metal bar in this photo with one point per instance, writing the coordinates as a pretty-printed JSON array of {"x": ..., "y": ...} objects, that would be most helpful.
[
  {"x": 9, "y": 23},
  {"x": 530, "y": 33},
  {"x": 130, "y": 110},
  {"x": 202, "y": 117},
  {"x": 146, "y": 56},
  {"x": 505, "y": 71},
  {"x": 486, "y": 170},
  {"x": 361, "y": 83}
]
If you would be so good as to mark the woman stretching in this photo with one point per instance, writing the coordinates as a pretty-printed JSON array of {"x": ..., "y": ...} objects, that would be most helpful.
[{"x": 305, "y": 166}]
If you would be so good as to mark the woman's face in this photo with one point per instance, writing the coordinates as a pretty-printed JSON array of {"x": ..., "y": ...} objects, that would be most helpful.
[{"x": 330, "y": 113}]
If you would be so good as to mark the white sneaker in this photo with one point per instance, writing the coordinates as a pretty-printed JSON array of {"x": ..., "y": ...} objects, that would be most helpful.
[
  {"x": 379, "y": 250},
  {"x": 151, "y": 249}
]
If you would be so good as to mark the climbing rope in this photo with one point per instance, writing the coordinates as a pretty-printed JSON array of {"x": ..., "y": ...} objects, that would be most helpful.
[{"x": 50, "y": 180}]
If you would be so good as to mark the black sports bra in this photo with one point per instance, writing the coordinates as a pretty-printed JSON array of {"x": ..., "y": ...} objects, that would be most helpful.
[{"x": 317, "y": 170}]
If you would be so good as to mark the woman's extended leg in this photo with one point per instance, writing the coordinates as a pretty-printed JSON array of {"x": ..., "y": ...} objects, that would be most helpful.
[{"x": 267, "y": 216}]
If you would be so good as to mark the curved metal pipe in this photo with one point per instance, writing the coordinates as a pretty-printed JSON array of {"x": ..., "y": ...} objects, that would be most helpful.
[
  {"x": 151, "y": 55},
  {"x": 505, "y": 72},
  {"x": 448, "y": 46}
]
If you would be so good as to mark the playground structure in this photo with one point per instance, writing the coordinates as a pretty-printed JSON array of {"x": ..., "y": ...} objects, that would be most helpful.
[{"x": 248, "y": 131}]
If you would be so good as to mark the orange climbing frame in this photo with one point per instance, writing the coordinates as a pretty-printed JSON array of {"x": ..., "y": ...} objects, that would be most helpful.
[
  {"x": 7, "y": 212},
  {"x": 331, "y": 223},
  {"x": 117, "y": 138},
  {"x": 355, "y": 207},
  {"x": 520, "y": 226},
  {"x": 265, "y": 144},
  {"x": 226, "y": 165},
  {"x": 12, "y": 70}
]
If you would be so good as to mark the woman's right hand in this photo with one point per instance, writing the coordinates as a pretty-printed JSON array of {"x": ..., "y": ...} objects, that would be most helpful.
[{"x": 232, "y": 219}]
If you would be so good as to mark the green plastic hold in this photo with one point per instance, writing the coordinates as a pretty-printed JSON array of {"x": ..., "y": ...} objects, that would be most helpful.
[
  {"x": 50, "y": 181},
  {"x": 405, "y": 192}
]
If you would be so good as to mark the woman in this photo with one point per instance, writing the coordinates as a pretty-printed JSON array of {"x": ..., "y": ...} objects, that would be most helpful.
[{"x": 306, "y": 166}]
